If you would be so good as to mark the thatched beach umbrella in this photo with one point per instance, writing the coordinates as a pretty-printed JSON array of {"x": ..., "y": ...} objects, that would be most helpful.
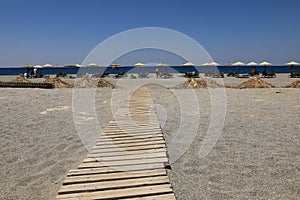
[
  {"x": 37, "y": 66},
  {"x": 206, "y": 64},
  {"x": 292, "y": 64},
  {"x": 162, "y": 65},
  {"x": 238, "y": 64},
  {"x": 188, "y": 64},
  {"x": 72, "y": 65},
  {"x": 139, "y": 64},
  {"x": 214, "y": 64},
  {"x": 252, "y": 64},
  {"x": 265, "y": 63},
  {"x": 93, "y": 65},
  {"x": 115, "y": 65},
  {"x": 47, "y": 65}
]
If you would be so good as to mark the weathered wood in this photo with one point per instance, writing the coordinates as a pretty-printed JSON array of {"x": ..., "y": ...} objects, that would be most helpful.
[
  {"x": 96, "y": 182},
  {"x": 119, "y": 193},
  {"x": 124, "y": 162},
  {"x": 101, "y": 158},
  {"x": 126, "y": 153},
  {"x": 128, "y": 160},
  {"x": 104, "y": 170}
]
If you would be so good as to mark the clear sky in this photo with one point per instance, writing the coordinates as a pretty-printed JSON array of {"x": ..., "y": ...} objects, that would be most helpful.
[{"x": 65, "y": 31}]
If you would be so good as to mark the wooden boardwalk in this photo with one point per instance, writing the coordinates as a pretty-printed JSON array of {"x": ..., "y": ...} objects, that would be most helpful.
[
  {"x": 26, "y": 85},
  {"x": 129, "y": 159}
]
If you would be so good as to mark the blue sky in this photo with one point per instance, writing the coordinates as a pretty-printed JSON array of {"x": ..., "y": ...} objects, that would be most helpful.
[{"x": 65, "y": 31}]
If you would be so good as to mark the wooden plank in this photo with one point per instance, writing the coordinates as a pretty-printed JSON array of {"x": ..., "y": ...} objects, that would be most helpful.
[
  {"x": 103, "y": 170},
  {"x": 156, "y": 197},
  {"x": 144, "y": 161},
  {"x": 128, "y": 141},
  {"x": 131, "y": 135},
  {"x": 111, "y": 185},
  {"x": 101, "y": 158},
  {"x": 126, "y": 153},
  {"x": 115, "y": 123},
  {"x": 134, "y": 144},
  {"x": 128, "y": 137},
  {"x": 150, "y": 146},
  {"x": 119, "y": 193},
  {"x": 134, "y": 130},
  {"x": 116, "y": 175}
]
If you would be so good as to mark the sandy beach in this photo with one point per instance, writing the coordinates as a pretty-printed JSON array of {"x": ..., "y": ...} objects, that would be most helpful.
[{"x": 255, "y": 157}]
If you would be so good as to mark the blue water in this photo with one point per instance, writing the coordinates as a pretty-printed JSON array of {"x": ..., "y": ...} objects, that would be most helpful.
[{"x": 172, "y": 69}]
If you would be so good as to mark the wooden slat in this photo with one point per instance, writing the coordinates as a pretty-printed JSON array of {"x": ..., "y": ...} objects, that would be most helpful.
[
  {"x": 126, "y": 153},
  {"x": 156, "y": 197},
  {"x": 152, "y": 146},
  {"x": 136, "y": 135},
  {"x": 126, "y": 157},
  {"x": 127, "y": 141},
  {"x": 119, "y": 193},
  {"x": 116, "y": 175},
  {"x": 120, "y": 145},
  {"x": 124, "y": 162},
  {"x": 103, "y": 170},
  {"x": 97, "y": 182}
]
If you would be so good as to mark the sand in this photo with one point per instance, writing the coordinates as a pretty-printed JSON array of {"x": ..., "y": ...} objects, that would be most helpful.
[{"x": 256, "y": 156}]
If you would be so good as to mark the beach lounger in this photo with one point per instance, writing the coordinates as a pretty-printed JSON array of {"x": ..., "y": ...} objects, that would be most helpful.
[
  {"x": 143, "y": 75},
  {"x": 295, "y": 75},
  {"x": 165, "y": 75},
  {"x": 271, "y": 74},
  {"x": 242, "y": 76}
]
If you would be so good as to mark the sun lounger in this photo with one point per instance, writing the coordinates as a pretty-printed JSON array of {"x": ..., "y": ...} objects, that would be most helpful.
[
  {"x": 165, "y": 75},
  {"x": 271, "y": 74},
  {"x": 295, "y": 75},
  {"x": 242, "y": 76},
  {"x": 143, "y": 75},
  {"x": 191, "y": 75}
]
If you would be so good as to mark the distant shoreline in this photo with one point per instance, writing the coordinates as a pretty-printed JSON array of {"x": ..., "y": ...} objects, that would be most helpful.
[{"x": 150, "y": 69}]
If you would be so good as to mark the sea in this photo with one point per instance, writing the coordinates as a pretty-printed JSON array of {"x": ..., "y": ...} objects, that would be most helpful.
[{"x": 5, "y": 71}]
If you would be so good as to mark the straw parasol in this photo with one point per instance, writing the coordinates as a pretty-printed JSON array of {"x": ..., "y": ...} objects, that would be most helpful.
[
  {"x": 47, "y": 65},
  {"x": 72, "y": 65},
  {"x": 206, "y": 64},
  {"x": 162, "y": 65},
  {"x": 252, "y": 64},
  {"x": 214, "y": 64},
  {"x": 116, "y": 65},
  {"x": 292, "y": 64},
  {"x": 139, "y": 64},
  {"x": 238, "y": 63},
  {"x": 37, "y": 66},
  {"x": 265, "y": 63},
  {"x": 93, "y": 65},
  {"x": 188, "y": 64}
]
